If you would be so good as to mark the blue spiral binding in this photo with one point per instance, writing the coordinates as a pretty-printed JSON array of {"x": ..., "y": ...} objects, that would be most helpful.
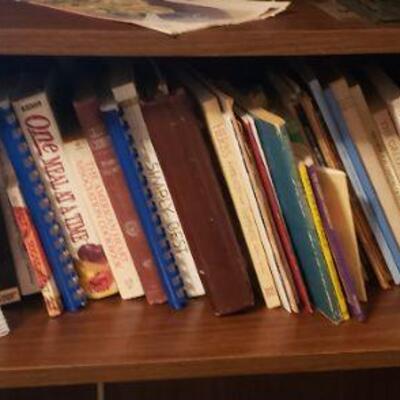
[
  {"x": 125, "y": 149},
  {"x": 39, "y": 205}
]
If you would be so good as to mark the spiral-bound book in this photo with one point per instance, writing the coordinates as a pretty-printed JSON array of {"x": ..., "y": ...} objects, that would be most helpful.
[
  {"x": 42, "y": 213},
  {"x": 128, "y": 158}
]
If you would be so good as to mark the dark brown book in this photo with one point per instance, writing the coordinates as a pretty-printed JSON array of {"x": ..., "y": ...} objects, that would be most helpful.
[
  {"x": 185, "y": 158},
  {"x": 89, "y": 117}
]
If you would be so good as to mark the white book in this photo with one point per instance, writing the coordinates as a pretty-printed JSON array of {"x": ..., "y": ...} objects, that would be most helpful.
[
  {"x": 127, "y": 98},
  {"x": 43, "y": 136},
  {"x": 90, "y": 184}
]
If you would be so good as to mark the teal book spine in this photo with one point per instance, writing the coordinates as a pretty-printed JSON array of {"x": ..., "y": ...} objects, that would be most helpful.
[{"x": 277, "y": 150}]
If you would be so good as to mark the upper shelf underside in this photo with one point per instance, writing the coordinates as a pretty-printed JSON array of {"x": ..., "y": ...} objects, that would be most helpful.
[{"x": 303, "y": 30}]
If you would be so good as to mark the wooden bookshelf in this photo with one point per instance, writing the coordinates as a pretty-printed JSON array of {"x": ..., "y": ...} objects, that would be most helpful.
[
  {"x": 303, "y": 30},
  {"x": 114, "y": 340}
]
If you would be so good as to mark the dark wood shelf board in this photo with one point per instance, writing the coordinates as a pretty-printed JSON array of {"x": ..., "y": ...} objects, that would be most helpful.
[
  {"x": 116, "y": 340},
  {"x": 303, "y": 30}
]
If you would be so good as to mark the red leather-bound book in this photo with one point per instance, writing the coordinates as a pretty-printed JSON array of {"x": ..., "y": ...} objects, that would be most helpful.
[
  {"x": 88, "y": 113},
  {"x": 193, "y": 180}
]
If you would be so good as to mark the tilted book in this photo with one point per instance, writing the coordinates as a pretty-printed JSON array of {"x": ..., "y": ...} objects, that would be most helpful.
[
  {"x": 321, "y": 234},
  {"x": 124, "y": 146},
  {"x": 116, "y": 255},
  {"x": 231, "y": 163},
  {"x": 287, "y": 291},
  {"x": 32, "y": 247},
  {"x": 332, "y": 125},
  {"x": 336, "y": 246},
  {"x": 126, "y": 96},
  {"x": 43, "y": 136},
  {"x": 93, "y": 128},
  {"x": 350, "y": 156},
  {"x": 362, "y": 142},
  {"x": 41, "y": 210},
  {"x": 276, "y": 146},
  {"x": 283, "y": 239},
  {"x": 26, "y": 278},
  {"x": 193, "y": 179}
]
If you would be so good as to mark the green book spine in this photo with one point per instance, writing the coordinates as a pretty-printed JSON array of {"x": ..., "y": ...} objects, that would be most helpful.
[{"x": 276, "y": 147}]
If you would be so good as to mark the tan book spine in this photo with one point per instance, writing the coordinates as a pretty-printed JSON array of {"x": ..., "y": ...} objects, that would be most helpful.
[
  {"x": 229, "y": 157},
  {"x": 376, "y": 140},
  {"x": 389, "y": 137},
  {"x": 388, "y": 90},
  {"x": 101, "y": 210},
  {"x": 363, "y": 142}
]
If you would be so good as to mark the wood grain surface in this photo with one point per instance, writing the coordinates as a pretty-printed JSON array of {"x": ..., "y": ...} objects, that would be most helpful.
[
  {"x": 114, "y": 340},
  {"x": 303, "y": 30}
]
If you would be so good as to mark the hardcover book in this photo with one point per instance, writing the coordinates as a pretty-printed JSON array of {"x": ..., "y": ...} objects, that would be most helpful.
[
  {"x": 187, "y": 162},
  {"x": 230, "y": 160}
]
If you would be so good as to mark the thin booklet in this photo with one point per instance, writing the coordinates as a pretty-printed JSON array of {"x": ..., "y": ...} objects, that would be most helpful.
[{"x": 171, "y": 16}]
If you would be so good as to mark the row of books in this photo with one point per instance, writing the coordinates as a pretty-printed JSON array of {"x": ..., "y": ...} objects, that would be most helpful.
[{"x": 175, "y": 182}]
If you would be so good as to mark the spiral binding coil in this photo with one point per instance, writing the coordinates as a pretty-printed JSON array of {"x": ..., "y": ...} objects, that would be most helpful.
[
  {"x": 148, "y": 210},
  {"x": 41, "y": 210}
]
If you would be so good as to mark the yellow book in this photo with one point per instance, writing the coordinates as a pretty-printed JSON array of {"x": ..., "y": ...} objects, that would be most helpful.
[{"x": 326, "y": 251}]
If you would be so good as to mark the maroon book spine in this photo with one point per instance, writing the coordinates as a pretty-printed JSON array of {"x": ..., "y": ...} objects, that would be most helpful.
[
  {"x": 193, "y": 180},
  {"x": 89, "y": 117}
]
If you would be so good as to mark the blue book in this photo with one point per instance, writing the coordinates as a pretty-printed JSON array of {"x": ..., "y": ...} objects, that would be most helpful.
[
  {"x": 124, "y": 147},
  {"x": 385, "y": 232},
  {"x": 278, "y": 152},
  {"x": 359, "y": 189},
  {"x": 39, "y": 206}
]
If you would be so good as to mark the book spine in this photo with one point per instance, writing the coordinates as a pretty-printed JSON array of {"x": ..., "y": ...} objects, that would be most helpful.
[
  {"x": 116, "y": 253},
  {"x": 323, "y": 99},
  {"x": 278, "y": 218},
  {"x": 280, "y": 158},
  {"x": 42, "y": 212},
  {"x": 335, "y": 246},
  {"x": 326, "y": 251},
  {"x": 35, "y": 252},
  {"x": 44, "y": 139},
  {"x": 389, "y": 245},
  {"x": 264, "y": 227},
  {"x": 125, "y": 149},
  {"x": 389, "y": 138},
  {"x": 127, "y": 97},
  {"x": 26, "y": 279},
  {"x": 88, "y": 113}
]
